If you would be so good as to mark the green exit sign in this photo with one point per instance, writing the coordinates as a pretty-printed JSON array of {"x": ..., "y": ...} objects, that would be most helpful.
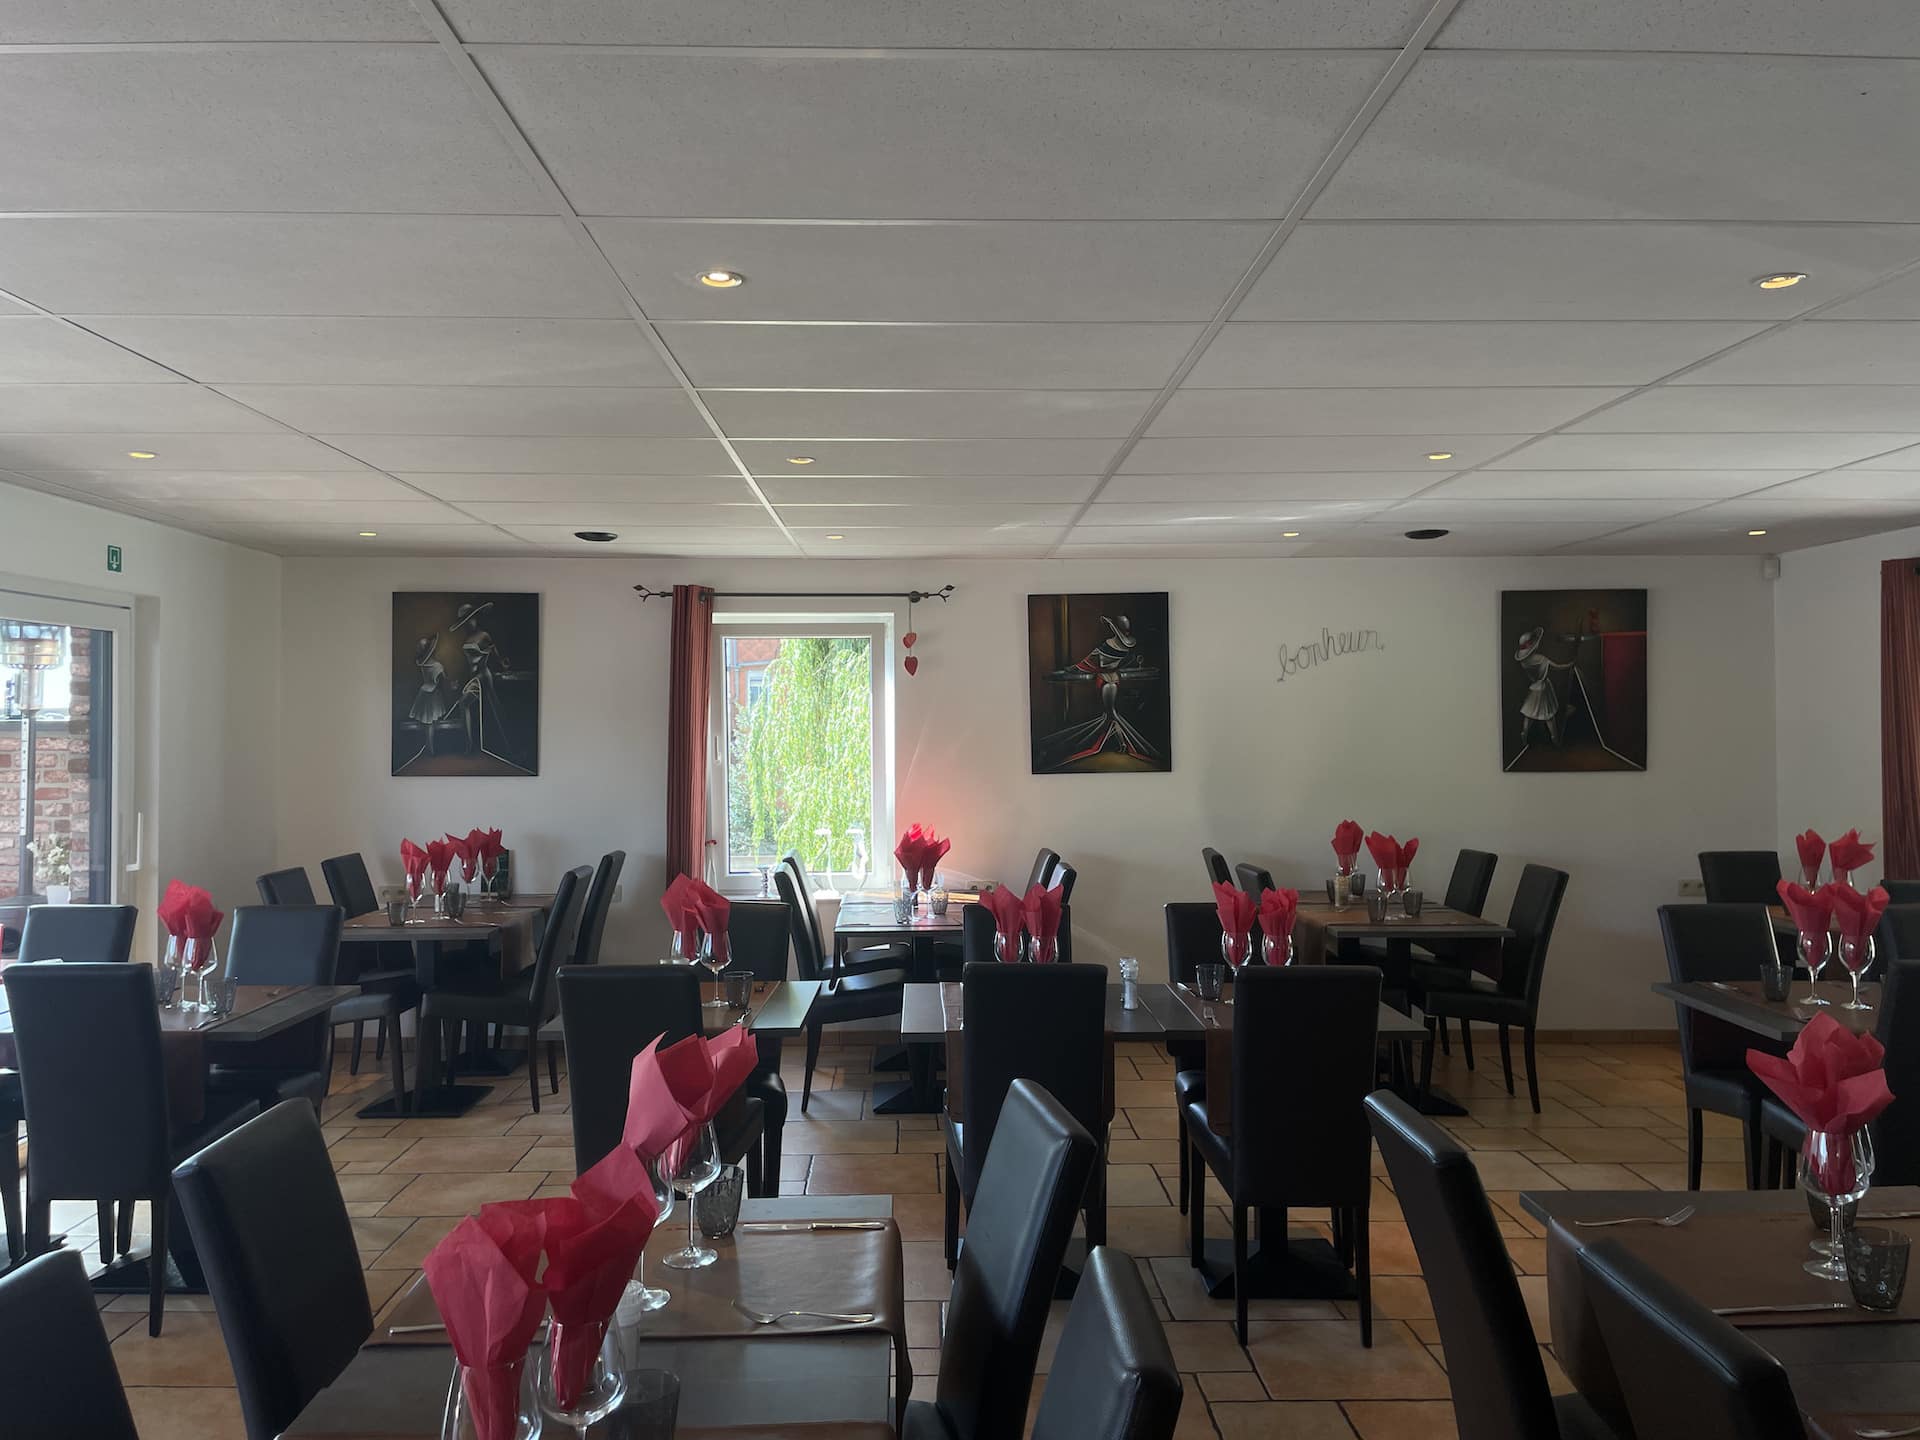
[{"x": 113, "y": 558}]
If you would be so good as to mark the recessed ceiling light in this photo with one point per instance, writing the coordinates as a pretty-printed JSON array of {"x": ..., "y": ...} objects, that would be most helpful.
[
  {"x": 799, "y": 459},
  {"x": 1289, "y": 534},
  {"x": 722, "y": 279},
  {"x": 368, "y": 534},
  {"x": 1428, "y": 534},
  {"x": 1439, "y": 455},
  {"x": 1756, "y": 534},
  {"x": 598, "y": 537},
  {"x": 1782, "y": 280},
  {"x": 141, "y": 455},
  {"x": 836, "y": 537}
]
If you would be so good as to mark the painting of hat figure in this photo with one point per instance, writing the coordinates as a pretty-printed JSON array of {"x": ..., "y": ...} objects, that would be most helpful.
[
  {"x": 1573, "y": 680},
  {"x": 466, "y": 683}
]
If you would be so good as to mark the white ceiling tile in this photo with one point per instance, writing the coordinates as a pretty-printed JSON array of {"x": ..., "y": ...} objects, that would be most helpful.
[
  {"x": 1668, "y": 539},
  {"x": 926, "y": 414},
  {"x": 1483, "y": 537},
  {"x": 981, "y": 270},
  {"x": 945, "y": 539},
  {"x": 1437, "y": 410},
  {"x": 252, "y": 451},
  {"x": 1313, "y": 453},
  {"x": 1569, "y": 271},
  {"x": 612, "y": 514},
  {"x": 925, "y": 490},
  {"x": 1437, "y": 507},
  {"x": 1804, "y": 450},
  {"x": 277, "y": 350},
  {"x": 1853, "y": 484},
  {"x": 144, "y": 409},
  {"x": 1178, "y": 535},
  {"x": 368, "y": 514},
  {"x": 930, "y": 457},
  {"x": 977, "y": 135},
  {"x": 1907, "y": 459},
  {"x": 36, "y": 350},
  {"x": 1253, "y": 354},
  {"x": 472, "y": 409},
  {"x": 1817, "y": 352},
  {"x": 1789, "y": 27},
  {"x": 1077, "y": 549},
  {"x": 538, "y": 454},
  {"x": 1705, "y": 408},
  {"x": 295, "y": 127},
  {"x": 1773, "y": 508},
  {"x": 655, "y": 540},
  {"x": 938, "y": 357},
  {"x": 330, "y": 539},
  {"x": 157, "y": 487},
  {"x": 1611, "y": 484},
  {"x": 884, "y": 545},
  {"x": 508, "y": 265},
  {"x": 1389, "y": 486},
  {"x": 663, "y": 489},
  {"x": 995, "y": 516},
  {"x": 987, "y": 24},
  {"x": 1558, "y": 136},
  {"x": 1183, "y": 515},
  {"x": 75, "y": 22},
  {"x": 1898, "y": 299}
]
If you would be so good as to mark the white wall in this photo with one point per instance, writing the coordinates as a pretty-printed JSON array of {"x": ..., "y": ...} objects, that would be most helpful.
[
  {"x": 1405, "y": 740},
  {"x": 1826, "y": 617},
  {"x": 206, "y": 700}
]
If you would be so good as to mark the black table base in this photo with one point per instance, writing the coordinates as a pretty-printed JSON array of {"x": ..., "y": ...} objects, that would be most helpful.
[
  {"x": 1290, "y": 1270},
  {"x": 436, "y": 1102},
  {"x": 129, "y": 1276},
  {"x": 919, "y": 1096}
]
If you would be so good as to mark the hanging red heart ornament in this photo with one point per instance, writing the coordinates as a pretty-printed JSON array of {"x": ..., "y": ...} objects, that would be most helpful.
[
  {"x": 912, "y": 663},
  {"x": 910, "y": 639}
]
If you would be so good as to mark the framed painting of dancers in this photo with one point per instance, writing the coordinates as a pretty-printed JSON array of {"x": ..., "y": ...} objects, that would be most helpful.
[
  {"x": 466, "y": 683},
  {"x": 1573, "y": 680},
  {"x": 1099, "y": 696}
]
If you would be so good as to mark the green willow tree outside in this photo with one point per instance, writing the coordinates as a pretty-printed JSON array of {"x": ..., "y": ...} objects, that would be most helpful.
[{"x": 801, "y": 756}]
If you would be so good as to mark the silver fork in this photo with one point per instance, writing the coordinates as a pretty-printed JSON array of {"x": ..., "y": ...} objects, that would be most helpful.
[
  {"x": 1871, "y": 1433},
  {"x": 761, "y": 1319},
  {"x": 1678, "y": 1217}
]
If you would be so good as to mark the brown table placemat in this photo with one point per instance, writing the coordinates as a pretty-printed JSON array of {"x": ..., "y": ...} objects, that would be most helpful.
[
  {"x": 1312, "y": 945},
  {"x": 1827, "y": 1426},
  {"x": 954, "y": 1022},
  {"x": 716, "y": 1021},
  {"x": 1835, "y": 992},
  {"x": 1216, "y": 1018}
]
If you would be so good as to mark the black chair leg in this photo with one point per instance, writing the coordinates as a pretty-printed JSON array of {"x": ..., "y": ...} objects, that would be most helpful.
[
  {"x": 157, "y": 1267},
  {"x": 770, "y": 1157},
  {"x": 1196, "y": 1209},
  {"x": 553, "y": 1065},
  {"x": 1754, "y": 1148},
  {"x": 533, "y": 1073},
  {"x": 104, "y": 1210},
  {"x": 1240, "y": 1274},
  {"x": 39, "y": 1226},
  {"x": 353, "y": 1050},
  {"x": 1363, "y": 1274},
  {"x": 380, "y": 1042},
  {"x": 1466, "y": 1042},
  {"x": 1426, "y": 1058},
  {"x": 1506, "y": 1056},
  {"x": 951, "y": 1234},
  {"x": 1696, "y": 1129},
  {"x": 123, "y": 1236},
  {"x": 813, "y": 1058},
  {"x": 1096, "y": 1207},
  {"x": 1180, "y": 1130},
  {"x": 1446, "y": 1044},
  {"x": 10, "y": 1196},
  {"x": 1533, "y": 1071},
  {"x": 397, "y": 1068},
  {"x": 755, "y": 1164}
]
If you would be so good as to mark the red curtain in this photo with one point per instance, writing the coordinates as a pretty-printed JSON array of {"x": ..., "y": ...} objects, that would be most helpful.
[
  {"x": 1900, "y": 718},
  {"x": 688, "y": 701}
]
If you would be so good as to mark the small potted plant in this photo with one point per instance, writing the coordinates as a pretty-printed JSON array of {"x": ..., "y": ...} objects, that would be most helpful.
[{"x": 54, "y": 863}]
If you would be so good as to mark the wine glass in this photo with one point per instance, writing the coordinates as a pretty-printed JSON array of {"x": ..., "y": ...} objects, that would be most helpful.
[
  {"x": 694, "y": 1161},
  {"x": 1235, "y": 956},
  {"x": 1276, "y": 952},
  {"x": 415, "y": 880},
  {"x": 713, "y": 955},
  {"x": 1856, "y": 953},
  {"x": 640, "y": 1295},
  {"x": 1839, "y": 1169},
  {"x": 510, "y": 1384},
  {"x": 1812, "y": 946},
  {"x": 200, "y": 960}
]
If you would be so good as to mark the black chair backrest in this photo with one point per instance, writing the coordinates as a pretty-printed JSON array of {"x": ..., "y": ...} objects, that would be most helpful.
[
  {"x": 1714, "y": 942},
  {"x": 1535, "y": 908},
  {"x": 977, "y": 931},
  {"x": 1493, "y": 1362},
  {"x": 1472, "y": 878},
  {"x": 1062, "y": 880},
  {"x": 557, "y": 940},
  {"x": 1253, "y": 880},
  {"x": 1113, "y": 1377},
  {"x": 1045, "y": 861},
  {"x": 1042, "y": 1023},
  {"x": 284, "y": 944},
  {"x": 88, "y": 1041},
  {"x": 82, "y": 933},
  {"x": 1303, "y": 1030},
  {"x": 1740, "y": 877},
  {"x": 56, "y": 1367},
  {"x": 271, "y": 1230},
  {"x": 758, "y": 937},
  {"x": 1218, "y": 871},
  {"x": 1902, "y": 892},
  {"x": 1017, "y": 1231},
  {"x": 349, "y": 884},
  {"x": 805, "y": 925},
  {"x": 1897, "y": 1132},
  {"x": 610, "y": 1013},
  {"x": 593, "y": 914},
  {"x": 1898, "y": 937},
  {"x": 1682, "y": 1369},
  {"x": 285, "y": 887},
  {"x": 1193, "y": 938}
]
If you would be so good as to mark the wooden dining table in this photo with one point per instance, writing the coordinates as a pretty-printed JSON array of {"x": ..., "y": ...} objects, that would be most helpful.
[
  {"x": 1743, "y": 1004},
  {"x": 777, "y": 1009},
  {"x": 1850, "y": 1368}
]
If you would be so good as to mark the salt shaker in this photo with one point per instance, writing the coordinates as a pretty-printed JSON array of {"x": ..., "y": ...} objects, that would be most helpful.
[{"x": 1129, "y": 983}]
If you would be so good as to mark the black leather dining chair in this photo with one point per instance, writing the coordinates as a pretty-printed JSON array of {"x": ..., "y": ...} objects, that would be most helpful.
[
  {"x": 1467, "y": 887},
  {"x": 855, "y": 989},
  {"x": 1902, "y": 892},
  {"x": 285, "y": 887},
  {"x": 1254, "y": 880},
  {"x": 1193, "y": 940},
  {"x": 272, "y": 1233},
  {"x": 56, "y": 1367},
  {"x": 78, "y": 933},
  {"x": 1682, "y": 1370},
  {"x": 758, "y": 937},
  {"x": 95, "y": 1085},
  {"x": 609, "y": 1014},
  {"x": 1514, "y": 999},
  {"x": 1309, "y": 1030},
  {"x": 1898, "y": 937},
  {"x": 1046, "y": 1024},
  {"x": 1045, "y": 861},
  {"x": 1062, "y": 880},
  {"x": 1219, "y": 872},
  {"x": 1036, "y": 1172},
  {"x": 1113, "y": 1376},
  {"x": 280, "y": 945},
  {"x": 524, "y": 1000},
  {"x": 383, "y": 969},
  {"x": 1714, "y": 942},
  {"x": 593, "y": 913},
  {"x": 1740, "y": 877},
  {"x": 1499, "y": 1383},
  {"x": 977, "y": 932}
]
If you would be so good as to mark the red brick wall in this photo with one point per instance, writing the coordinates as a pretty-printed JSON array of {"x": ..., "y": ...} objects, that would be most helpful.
[{"x": 62, "y": 785}]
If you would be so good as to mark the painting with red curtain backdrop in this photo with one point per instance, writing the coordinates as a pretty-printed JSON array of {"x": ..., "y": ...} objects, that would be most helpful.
[{"x": 1573, "y": 680}]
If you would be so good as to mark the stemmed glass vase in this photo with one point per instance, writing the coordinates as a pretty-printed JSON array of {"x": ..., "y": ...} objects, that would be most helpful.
[
  {"x": 199, "y": 961},
  {"x": 457, "y": 1421},
  {"x": 694, "y": 1161},
  {"x": 1857, "y": 956},
  {"x": 643, "y": 1296},
  {"x": 1021, "y": 944},
  {"x": 713, "y": 955},
  {"x": 596, "y": 1396},
  {"x": 1276, "y": 952},
  {"x": 1838, "y": 1167},
  {"x": 1814, "y": 955}
]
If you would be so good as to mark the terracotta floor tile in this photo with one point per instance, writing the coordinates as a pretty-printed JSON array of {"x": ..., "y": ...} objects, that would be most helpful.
[
  {"x": 459, "y": 1194},
  {"x": 1611, "y": 1145},
  {"x": 872, "y": 1175},
  {"x": 1236, "y": 1386},
  {"x": 187, "y": 1351},
  {"x": 812, "y": 1135},
  {"x": 1282, "y": 1420},
  {"x": 411, "y": 1248},
  {"x": 1315, "y": 1360},
  {"x": 186, "y": 1413},
  {"x": 1402, "y": 1419},
  {"x": 465, "y": 1154}
]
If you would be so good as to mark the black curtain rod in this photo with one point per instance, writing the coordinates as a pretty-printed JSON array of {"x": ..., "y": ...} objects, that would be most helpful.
[{"x": 911, "y": 596}]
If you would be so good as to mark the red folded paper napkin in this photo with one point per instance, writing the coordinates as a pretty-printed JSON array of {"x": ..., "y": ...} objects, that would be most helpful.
[
  {"x": 1278, "y": 910},
  {"x": 710, "y": 910},
  {"x": 671, "y": 1092},
  {"x": 1810, "y": 910},
  {"x": 482, "y": 1278},
  {"x": 1812, "y": 851},
  {"x": 1856, "y": 916},
  {"x": 172, "y": 910},
  {"x": 918, "y": 852},
  {"x": 1009, "y": 918},
  {"x": 1849, "y": 854},
  {"x": 1040, "y": 908},
  {"x": 1834, "y": 1081},
  {"x": 186, "y": 912},
  {"x": 1385, "y": 851},
  {"x": 491, "y": 845},
  {"x": 1405, "y": 862},
  {"x": 681, "y": 902},
  {"x": 466, "y": 849},
  {"x": 439, "y": 857},
  {"x": 413, "y": 860},
  {"x": 1346, "y": 844},
  {"x": 594, "y": 1237},
  {"x": 1235, "y": 909}
]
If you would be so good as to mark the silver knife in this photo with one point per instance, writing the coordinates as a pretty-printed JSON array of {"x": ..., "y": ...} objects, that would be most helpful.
[
  {"x": 780, "y": 1227},
  {"x": 1812, "y": 1308}
]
